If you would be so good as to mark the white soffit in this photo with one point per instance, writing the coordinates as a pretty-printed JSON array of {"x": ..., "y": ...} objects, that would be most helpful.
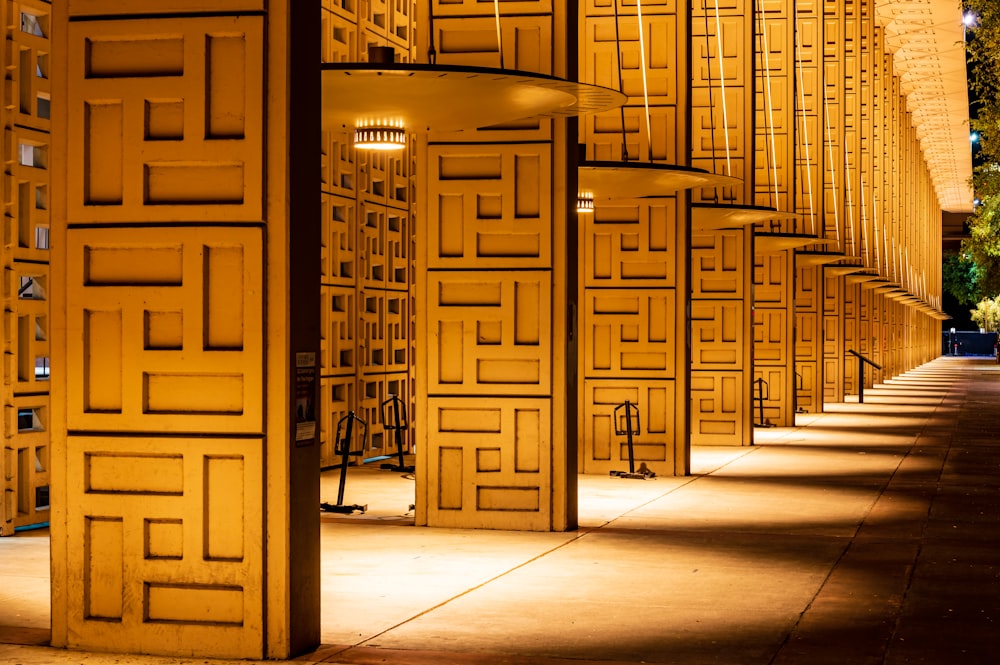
[{"x": 926, "y": 40}]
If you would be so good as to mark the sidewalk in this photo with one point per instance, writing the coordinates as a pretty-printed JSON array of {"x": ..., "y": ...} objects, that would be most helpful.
[{"x": 867, "y": 534}]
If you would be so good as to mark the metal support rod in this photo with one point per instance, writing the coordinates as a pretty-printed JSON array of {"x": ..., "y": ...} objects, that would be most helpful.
[
  {"x": 762, "y": 395},
  {"x": 861, "y": 373},
  {"x": 632, "y": 427},
  {"x": 345, "y": 454},
  {"x": 398, "y": 423}
]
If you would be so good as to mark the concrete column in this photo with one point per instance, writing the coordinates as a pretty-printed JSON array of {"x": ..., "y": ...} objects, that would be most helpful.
[{"x": 185, "y": 327}]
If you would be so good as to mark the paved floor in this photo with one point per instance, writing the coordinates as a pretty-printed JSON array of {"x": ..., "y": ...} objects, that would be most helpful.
[{"x": 866, "y": 534}]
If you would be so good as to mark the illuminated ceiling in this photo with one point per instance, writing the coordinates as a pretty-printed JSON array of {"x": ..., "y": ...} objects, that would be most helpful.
[{"x": 926, "y": 40}]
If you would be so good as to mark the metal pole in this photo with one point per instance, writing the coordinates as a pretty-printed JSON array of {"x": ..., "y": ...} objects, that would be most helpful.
[
  {"x": 628, "y": 431},
  {"x": 861, "y": 380},
  {"x": 345, "y": 453}
]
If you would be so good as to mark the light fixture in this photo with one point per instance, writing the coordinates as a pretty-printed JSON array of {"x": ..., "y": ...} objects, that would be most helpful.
[
  {"x": 585, "y": 202},
  {"x": 379, "y": 135}
]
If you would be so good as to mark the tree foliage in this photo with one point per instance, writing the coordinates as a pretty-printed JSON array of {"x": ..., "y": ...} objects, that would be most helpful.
[
  {"x": 987, "y": 314},
  {"x": 983, "y": 57},
  {"x": 959, "y": 277}
]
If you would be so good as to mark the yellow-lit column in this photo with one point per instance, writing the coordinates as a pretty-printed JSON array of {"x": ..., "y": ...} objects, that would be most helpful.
[
  {"x": 185, "y": 334},
  {"x": 775, "y": 187},
  {"x": 495, "y": 447},
  {"x": 722, "y": 139},
  {"x": 809, "y": 76},
  {"x": 634, "y": 253},
  {"x": 25, "y": 449}
]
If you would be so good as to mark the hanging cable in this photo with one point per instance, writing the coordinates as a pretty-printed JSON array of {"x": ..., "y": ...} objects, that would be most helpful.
[
  {"x": 805, "y": 128},
  {"x": 645, "y": 87},
  {"x": 850, "y": 203},
  {"x": 833, "y": 166},
  {"x": 496, "y": 12},
  {"x": 865, "y": 243},
  {"x": 770, "y": 102},
  {"x": 711, "y": 101},
  {"x": 621, "y": 82},
  {"x": 722, "y": 87}
]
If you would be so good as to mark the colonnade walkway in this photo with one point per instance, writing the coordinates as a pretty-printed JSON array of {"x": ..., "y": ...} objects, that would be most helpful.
[{"x": 866, "y": 534}]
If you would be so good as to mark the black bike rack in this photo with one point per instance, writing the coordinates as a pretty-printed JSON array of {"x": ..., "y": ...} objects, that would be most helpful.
[
  {"x": 643, "y": 473},
  {"x": 398, "y": 424},
  {"x": 861, "y": 373},
  {"x": 343, "y": 448},
  {"x": 763, "y": 393}
]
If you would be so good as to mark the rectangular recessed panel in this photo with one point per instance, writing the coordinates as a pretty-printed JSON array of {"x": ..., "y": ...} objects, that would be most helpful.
[
  {"x": 192, "y": 393},
  {"x": 526, "y": 312},
  {"x": 134, "y": 265},
  {"x": 133, "y": 474},
  {"x": 124, "y": 57},
  {"x": 527, "y": 199},
  {"x": 102, "y": 151},
  {"x": 224, "y": 519},
  {"x": 163, "y": 538},
  {"x": 450, "y": 481},
  {"x": 469, "y": 420},
  {"x": 194, "y": 183},
  {"x": 458, "y": 294},
  {"x": 193, "y": 603},
  {"x": 645, "y": 452},
  {"x": 520, "y": 499},
  {"x": 470, "y": 167},
  {"x": 102, "y": 361},
  {"x": 103, "y": 573},
  {"x": 508, "y": 244},
  {"x": 164, "y": 120},
  {"x": 223, "y": 304},
  {"x": 508, "y": 371},
  {"x": 528, "y": 440},
  {"x": 226, "y": 73},
  {"x": 487, "y": 460},
  {"x": 451, "y": 225},
  {"x": 451, "y": 354},
  {"x": 163, "y": 330}
]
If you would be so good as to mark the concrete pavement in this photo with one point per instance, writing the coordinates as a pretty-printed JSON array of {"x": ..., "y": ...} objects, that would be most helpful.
[{"x": 866, "y": 534}]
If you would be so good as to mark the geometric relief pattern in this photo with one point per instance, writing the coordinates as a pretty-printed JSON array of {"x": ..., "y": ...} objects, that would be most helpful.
[
  {"x": 809, "y": 302},
  {"x": 774, "y": 333},
  {"x": 171, "y": 532},
  {"x": 717, "y": 334},
  {"x": 491, "y": 205},
  {"x": 489, "y": 456},
  {"x": 165, "y": 329},
  {"x": 717, "y": 407},
  {"x": 721, "y": 340},
  {"x": 633, "y": 245},
  {"x": 166, "y": 121},
  {"x": 24, "y": 257},
  {"x": 604, "y": 450},
  {"x": 630, "y": 333},
  {"x": 377, "y": 411},
  {"x": 338, "y": 396},
  {"x": 339, "y": 316},
  {"x": 718, "y": 269},
  {"x": 489, "y": 332}
]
